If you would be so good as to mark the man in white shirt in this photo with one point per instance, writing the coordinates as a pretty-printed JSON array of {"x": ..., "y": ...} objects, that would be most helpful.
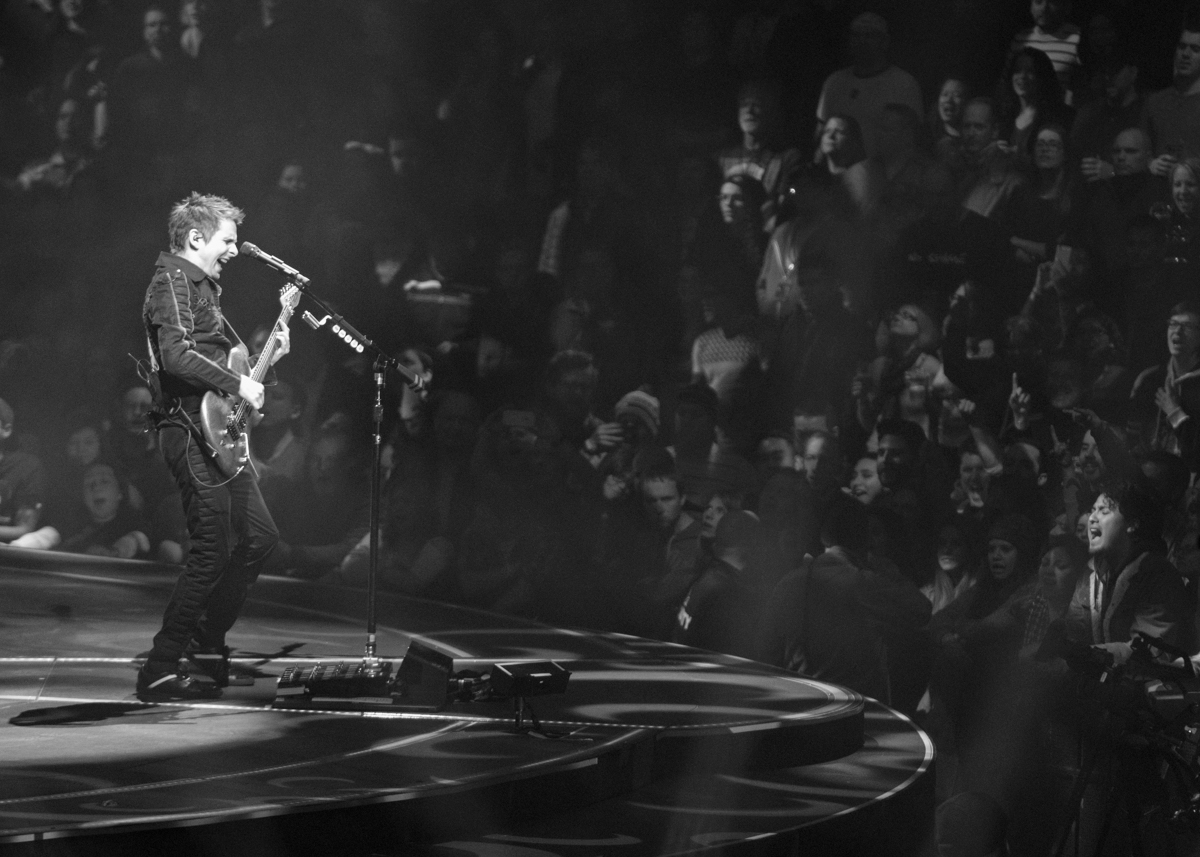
[{"x": 871, "y": 81}]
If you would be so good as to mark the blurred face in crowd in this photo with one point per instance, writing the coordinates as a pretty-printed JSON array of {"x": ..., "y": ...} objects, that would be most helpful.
[
  {"x": 66, "y": 122},
  {"x": 978, "y": 127},
  {"x": 750, "y": 113},
  {"x": 1183, "y": 335},
  {"x": 83, "y": 446},
  {"x": 833, "y": 136},
  {"x": 904, "y": 322},
  {"x": 777, "y": 299},
  {"x": 1107, "y": 530},
  {"x": 950, "y": 101},
  {"x": 713, "y": 513},
  {"x": 101, "y": 493},
  {"x": 1047, "y": 14},
  {"x": 1001, "y": 559},
  {"x": 135, "y": 404},
  {"x": 895, "y": 458},
  {"x": 489, "y": 357},
  {"x": 1119, "y": 84},
  {"x": 663, "y": 501},
  {"x": 1049, "y": 150},
  {"x": 1056, "y": 572},
  {"x": 573, "y": 391},
  {"x": 951, "y": 550},
  {"x": 776, "y": 453},
  {"x": 1187, "y": 58},
  {"x": 868, "y": 46},
  {"x": 1024, "y": 78},
  {"x": 1089, "y": 461},
  {"x": 292, "y": 179},
  {"x": 326, "y": 459},
  {"x": 1064, "y": 383},
  {"x": 456, "y": 423},
  {"x": 733, "y": 202},
  {"x": 1185, "y": 190},
  {"x": 70, "y": 9},
  {"x": 280, "y": 405},
  {"x": 865, "y": 486},
  {"x": 815, "y": 451},
  {"x": 972, "y": 473},
  {"x": 155, "y": 29},
  {"x": 193, "y": 13},
  {"x": 1130, "y": 152}
]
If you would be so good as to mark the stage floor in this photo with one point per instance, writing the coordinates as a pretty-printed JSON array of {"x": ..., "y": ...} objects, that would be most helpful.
[{"x": 653, "y": 748}]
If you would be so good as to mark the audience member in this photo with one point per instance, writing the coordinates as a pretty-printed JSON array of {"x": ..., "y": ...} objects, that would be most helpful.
[{"x": 22, "y": 483}]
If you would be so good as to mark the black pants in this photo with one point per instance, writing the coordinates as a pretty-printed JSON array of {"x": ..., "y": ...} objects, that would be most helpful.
[{"x": 230, "y": 535}]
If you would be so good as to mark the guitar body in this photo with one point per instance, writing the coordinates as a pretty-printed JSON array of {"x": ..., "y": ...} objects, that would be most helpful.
[
  {"x": 228, "y": 440},
  {"x": 225, "y": 420}
]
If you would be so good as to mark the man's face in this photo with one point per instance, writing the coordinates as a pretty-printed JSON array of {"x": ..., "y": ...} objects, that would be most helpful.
[
  {"x": 211, "y": 255},
  {"x": 1106, "y": 526},
  {"x": 326, "y": 458},
  {"x": 1187, "y": 57},
  {"x": 894, "y": 459},
  {"x": 135, "y": 404},
  {"x": 1183, "y": 335},
  {"x": 1047, "y": 14},
  {"x": 83, "y": 446},
  {"x": 1056, "y": 572},
  {"x": 101, "y": 493},
  {"x": 1130, "y": 153},
  {"x": 155, "y": 29},
  {"x": 868, "y": 46},
  {"x": 814, "y": 451},
  {"x": 978, "y": 127},
  {"x": 733, "y": 202},
  {"x": 663, "y": 502},
  {"x": 972, "y": 473}
]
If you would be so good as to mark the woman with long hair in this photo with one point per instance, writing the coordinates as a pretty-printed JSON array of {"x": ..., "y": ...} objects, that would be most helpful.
[
  {"x": 1030, "y": 97},
  {"x": 838, "y": 176}
]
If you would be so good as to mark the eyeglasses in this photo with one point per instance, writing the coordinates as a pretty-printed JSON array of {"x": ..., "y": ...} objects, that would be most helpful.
[
  {"x": 1048, "y": 144},
  {"x": 1190, "y": 326}
]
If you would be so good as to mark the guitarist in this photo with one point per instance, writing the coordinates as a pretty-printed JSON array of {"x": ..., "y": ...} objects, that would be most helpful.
[{"x": 230, "y": 530}]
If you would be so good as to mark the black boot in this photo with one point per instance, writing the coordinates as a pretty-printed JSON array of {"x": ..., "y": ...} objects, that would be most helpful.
[{"x": 172, "y": 687}]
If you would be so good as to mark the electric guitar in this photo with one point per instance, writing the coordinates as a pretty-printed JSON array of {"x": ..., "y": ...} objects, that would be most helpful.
[{"x": 225, "y": 419}]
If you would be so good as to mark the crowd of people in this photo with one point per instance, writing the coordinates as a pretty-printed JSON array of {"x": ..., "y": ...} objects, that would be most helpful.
[{"x": 861, "y": 341}]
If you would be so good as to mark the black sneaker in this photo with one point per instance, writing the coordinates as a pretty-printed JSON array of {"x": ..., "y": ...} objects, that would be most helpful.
[{"x": 172, "y": 687}]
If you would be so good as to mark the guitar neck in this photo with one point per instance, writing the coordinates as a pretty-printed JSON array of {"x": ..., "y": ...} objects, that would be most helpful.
[{"x": 264, "y": 359}]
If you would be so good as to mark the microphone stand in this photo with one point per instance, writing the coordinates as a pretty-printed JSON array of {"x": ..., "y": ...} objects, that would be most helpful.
[{"x": 370, "y": 680}]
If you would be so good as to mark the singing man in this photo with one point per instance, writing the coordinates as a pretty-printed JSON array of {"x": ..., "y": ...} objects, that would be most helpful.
[{"x": 230, "y": 530}]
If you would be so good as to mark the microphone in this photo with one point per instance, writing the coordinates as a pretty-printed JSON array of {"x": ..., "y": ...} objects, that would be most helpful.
[{"x": 275, "y": 262}]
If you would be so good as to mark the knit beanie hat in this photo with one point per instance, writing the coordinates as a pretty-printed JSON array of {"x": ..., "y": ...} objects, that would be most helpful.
[
  {"x": 1019, "y": 532},
  {"x": 641, "y": 406}
]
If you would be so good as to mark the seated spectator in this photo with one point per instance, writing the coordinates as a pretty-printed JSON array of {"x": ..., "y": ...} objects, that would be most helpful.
[
  {"x": 1167, "y": 396},
  {"x": 68, "y": 163},
  {"x": 1119, "y": 106},
  {"x": 909, "y": 183},
  {"x": 757, "y": 155},
  {"x": 730, "y": 239},
  {"x": 324, "y": 514},
  {"x": 957, "y": 563},
  {"x": 906, "y": 343},
  {"x": 871, "y": 81},
  {"x": 85, "y": 446},
  {"x": 1182, "y": 215},
  {"x": 1051, "y": 199},
  {"x": 837, "y": 178},
  {"x": 945, "y": 114},
  {"x": 22, "y": 484},
  {"x": 1054, "y": 37},
  {"x": 991, "y": 184},
  {"x": 276, "y": 446},
  {"x": 727, "y": 347},
  {"x": 1172, "y": 116},
  {"x": 113, "y": 527}
]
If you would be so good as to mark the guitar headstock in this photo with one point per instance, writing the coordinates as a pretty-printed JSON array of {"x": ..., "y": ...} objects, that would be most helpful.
[{"x": 289, "y": 299}]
